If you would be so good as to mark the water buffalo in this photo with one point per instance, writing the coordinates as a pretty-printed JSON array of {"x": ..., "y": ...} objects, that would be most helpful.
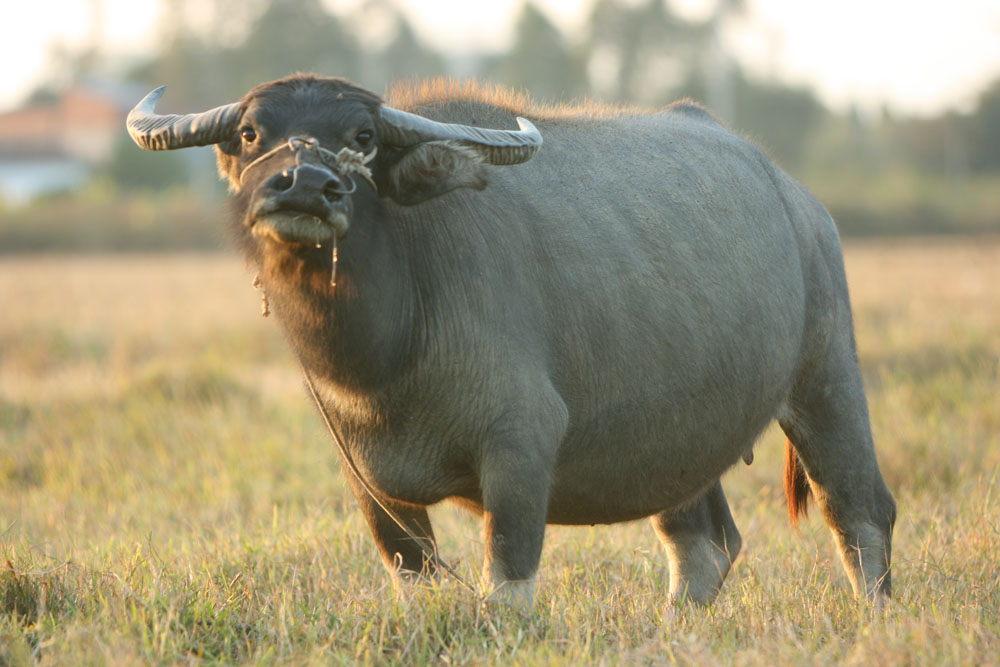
[{"x": 589, "y": 332}]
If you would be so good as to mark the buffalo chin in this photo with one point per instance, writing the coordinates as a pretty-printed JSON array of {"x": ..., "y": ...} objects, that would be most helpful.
[{"x": 293, "y": 227}]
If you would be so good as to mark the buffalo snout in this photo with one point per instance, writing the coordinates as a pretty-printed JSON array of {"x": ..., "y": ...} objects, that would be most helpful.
[
  {"x": 304, "y": 204},
  {"x": 308, "y": 188}
]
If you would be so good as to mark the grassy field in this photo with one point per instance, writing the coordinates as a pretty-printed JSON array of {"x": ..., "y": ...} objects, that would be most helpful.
[{"x": 168, "y": 495}]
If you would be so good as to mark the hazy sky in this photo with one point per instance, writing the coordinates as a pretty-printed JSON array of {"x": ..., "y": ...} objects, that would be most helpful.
[{"x": 917, "y": 56}]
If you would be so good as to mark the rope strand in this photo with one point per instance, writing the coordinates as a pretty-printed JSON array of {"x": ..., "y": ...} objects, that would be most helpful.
[
  {"x": 430, "y": 553},
  {"x": 345, "y": 162}
]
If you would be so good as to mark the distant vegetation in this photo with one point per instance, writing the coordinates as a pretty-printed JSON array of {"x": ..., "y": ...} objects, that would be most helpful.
[{"x": 881, "y": 175}]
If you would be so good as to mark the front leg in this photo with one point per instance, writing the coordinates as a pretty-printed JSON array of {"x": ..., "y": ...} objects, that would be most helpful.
[
  {"x": 515, "y": 484},
  {"x": 517, "y": 466},
  {"x": 402, "y": 556}
]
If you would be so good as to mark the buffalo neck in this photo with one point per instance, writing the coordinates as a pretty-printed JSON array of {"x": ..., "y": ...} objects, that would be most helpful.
[{"x": 359, "y": 333}]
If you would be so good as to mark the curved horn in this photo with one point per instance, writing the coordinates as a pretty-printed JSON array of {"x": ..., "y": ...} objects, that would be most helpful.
[
  {"x": 154, "y": 132},
  {"x": 501, "y": 147}
]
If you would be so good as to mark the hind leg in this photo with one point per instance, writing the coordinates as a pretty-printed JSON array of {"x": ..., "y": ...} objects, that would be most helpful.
[
  {"x": 702, "y": 542},
  {"x": 827, "y": 423}
]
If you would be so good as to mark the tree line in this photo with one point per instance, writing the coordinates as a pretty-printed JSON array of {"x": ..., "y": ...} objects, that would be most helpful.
[{"x": 881, "y": 174}]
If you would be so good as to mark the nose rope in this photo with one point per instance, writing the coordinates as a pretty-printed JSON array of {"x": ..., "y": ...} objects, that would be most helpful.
[{"x": 343, "y": 163}]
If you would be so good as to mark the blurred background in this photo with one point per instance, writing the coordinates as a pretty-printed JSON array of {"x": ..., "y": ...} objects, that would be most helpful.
[{"x": 890, "y": 114}]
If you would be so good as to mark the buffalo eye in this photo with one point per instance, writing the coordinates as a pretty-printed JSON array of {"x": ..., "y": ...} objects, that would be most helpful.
[
  {"x": 364, "y": 137},
  {"x": 249, "y": 135}
]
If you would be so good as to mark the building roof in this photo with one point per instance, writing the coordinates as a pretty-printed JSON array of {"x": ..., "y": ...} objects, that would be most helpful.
[{"x": 83, "y": 123}]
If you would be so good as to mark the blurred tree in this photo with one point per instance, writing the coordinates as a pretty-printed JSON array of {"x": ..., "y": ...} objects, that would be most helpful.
[
  {"x": 390, "y": 47},
  {"x": 192, "y": 71},
  {"x": 65, "y": 66},
  {"x": 984, "y": 131},
  {"x": 937, "y": 145},
  {"x": 781, "y": 118},
  {"x": 640, "y": 53},
  {"x": 188, "y": 58},
  {"x": 130, "y": 168},
  {"x": 540, "y": 60},
  {"x": 239, "y": 43},
  {"x": 406, "y": 56},
  {"x": 292, "y": 36},
  {"x": 718, "y": 64},
  {"x": 850, "y": 142}
]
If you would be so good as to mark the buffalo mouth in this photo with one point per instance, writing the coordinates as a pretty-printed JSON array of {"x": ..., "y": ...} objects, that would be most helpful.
[{"x": 291, "y": 227}]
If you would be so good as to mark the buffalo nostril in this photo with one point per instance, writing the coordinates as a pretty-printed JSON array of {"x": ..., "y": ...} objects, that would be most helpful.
[
  {"x": 281, "y": 182},
  {"x": 332, "y": 192},
  {"x": 306, "y": 187}
]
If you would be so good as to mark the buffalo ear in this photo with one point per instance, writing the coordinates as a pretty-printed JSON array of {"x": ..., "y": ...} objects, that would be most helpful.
[
  {"x": 433, "y": 168},
  {"x": 226, "y": 159}
]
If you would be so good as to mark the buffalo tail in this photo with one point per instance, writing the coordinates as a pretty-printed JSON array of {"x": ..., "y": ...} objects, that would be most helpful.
[{"x": 796, "y": 485}]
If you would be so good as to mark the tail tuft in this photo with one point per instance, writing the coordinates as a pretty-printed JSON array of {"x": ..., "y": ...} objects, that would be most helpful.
[{"x": 796, "y": 485}]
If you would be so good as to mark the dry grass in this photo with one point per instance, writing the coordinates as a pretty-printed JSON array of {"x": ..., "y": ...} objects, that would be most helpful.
[{"x": 167, "y": 495}]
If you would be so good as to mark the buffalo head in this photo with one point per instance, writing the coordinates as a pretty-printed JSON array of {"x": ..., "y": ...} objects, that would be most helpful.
[{"x": 298, "y": 151}]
